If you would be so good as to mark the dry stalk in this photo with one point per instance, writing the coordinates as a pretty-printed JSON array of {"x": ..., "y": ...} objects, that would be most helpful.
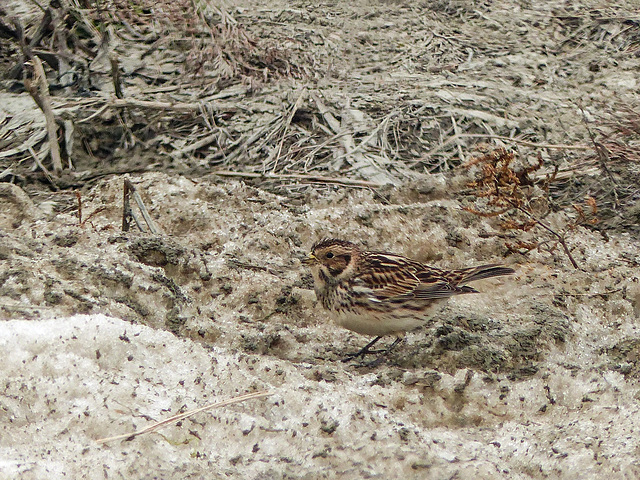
[
  {"x": 115, "y": 76},
  {"x": 183, "y": 416},
  {"x": 83, "y": 221},
  {"x": 301, "y": 178},
  {"x": 39, "y": 90},
  {"x": 47, "y": 175},
  {"x": 129, "y": 191},
  {"x": 79, "y": 199},
  {"x": 603, "y": 157}
]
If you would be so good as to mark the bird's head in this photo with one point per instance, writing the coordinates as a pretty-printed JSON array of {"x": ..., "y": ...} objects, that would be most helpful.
[{"x": 333, "y": 260}]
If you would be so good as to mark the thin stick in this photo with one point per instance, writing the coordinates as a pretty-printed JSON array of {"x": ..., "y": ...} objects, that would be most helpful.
[
  {"x": 145, "y": 213},
  {"x": 79, "y": 198},
  {"x": 130, "y": 189},
  {"x": 178, "y": 107},
  {"x": 603, "y": 157},
  {"x": 43, "y": 99},
  {"x": 560, "y": 237},
  {"x": 287, "y": 123},
  {"x": 456, "y": 131},
  {"x": 526, "y": 142},
  {"x": 601, "y": 294},
  {"x": 183, "y": 416},
  {"x": 303, "y": 178},
  {"x": 94, "y": 114},
  {"x": 115, "y": 76},
  {"x": 127, "y": 212},
  {"x": 126, "y": 208},
  {"x": 42, "y": 167},
  {"x": 196, "y": 145}
]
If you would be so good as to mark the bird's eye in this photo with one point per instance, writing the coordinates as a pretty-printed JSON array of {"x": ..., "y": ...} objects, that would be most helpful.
[{"x": 329, "y": 255}]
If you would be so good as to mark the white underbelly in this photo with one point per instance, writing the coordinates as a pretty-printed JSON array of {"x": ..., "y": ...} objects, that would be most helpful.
[{"x": 378, "y": 325}]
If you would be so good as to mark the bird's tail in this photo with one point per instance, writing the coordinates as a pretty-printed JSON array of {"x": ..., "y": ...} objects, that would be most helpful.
[{"x": 483, "y": 271}]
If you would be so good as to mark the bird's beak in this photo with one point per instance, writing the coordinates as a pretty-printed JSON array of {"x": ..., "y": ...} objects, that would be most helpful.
[{"x": 310, "y": 260}]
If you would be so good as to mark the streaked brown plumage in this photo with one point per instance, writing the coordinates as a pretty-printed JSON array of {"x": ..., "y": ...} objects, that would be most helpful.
[{"x": 379, "y": 293}]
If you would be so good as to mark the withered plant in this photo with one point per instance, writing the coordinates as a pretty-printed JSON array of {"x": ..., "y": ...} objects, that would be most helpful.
[{"x": 503, "y": 189}]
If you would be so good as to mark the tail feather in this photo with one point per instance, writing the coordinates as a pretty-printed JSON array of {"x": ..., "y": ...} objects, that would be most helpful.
[{"x": 483, "y": 271}]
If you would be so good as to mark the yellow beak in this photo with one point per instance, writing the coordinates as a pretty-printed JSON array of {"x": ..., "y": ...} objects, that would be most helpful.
[{"x": 310, "y": 260}]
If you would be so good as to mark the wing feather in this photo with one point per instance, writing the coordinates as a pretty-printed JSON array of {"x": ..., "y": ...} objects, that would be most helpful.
[{"x": 394, "y": 277}]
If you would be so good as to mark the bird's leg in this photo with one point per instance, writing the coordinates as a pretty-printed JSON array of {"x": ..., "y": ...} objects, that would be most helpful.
[
  {"x": 363, "y": 351},
  {"x": 381, "y": 357}
]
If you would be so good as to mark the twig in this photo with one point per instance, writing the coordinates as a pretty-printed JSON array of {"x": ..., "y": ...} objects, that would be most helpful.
[
  {"x": 115, "y": 76},
  {"x": 42, "y": 167},
  {"x": 560, "y": 237},
  {"x": 94, "y": 114},
  {"x": 303, "y": 178},
  {"x": 183, "y": 416},
  {"x": 79, "y": 198},
  {"x": 127, "y": 213},
  {"x": 250, "y": 266},
  {"x": 526, "y": 143},
  {"x": 603, "y": 157},
  {"x": 203, "y": 142},
  {"x": 6, "y": 306},
  {"x": 286, "y": 125},
  {"x": 40, "y": 94},
  {"x": 456, "y": 131},
  {"x": 600, "y": 294},
  {"x": 178, "y": 107}
]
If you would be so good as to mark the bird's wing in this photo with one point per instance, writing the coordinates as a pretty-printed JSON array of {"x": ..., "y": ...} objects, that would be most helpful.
[
  {"x": 388, "y": 275},
  {"x": 435, "y": 283},
  {"x": 394, "y": 277}
]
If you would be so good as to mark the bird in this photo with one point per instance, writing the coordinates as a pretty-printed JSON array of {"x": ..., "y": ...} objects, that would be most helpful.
[{"x": 379, "y": 293}]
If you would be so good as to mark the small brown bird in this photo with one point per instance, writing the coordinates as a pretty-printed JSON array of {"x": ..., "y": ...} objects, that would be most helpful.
[{"x": 379, "y": 293}]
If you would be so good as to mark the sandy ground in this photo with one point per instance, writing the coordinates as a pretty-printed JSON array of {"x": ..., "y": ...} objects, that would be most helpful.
[{"x": 106, "y": 331}]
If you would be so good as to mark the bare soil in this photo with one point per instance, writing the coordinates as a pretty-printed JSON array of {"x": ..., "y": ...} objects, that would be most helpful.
[{"x": 252, "y": 129}]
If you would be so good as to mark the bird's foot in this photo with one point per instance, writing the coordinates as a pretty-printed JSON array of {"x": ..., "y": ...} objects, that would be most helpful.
[
  {"x": 382, "y": 354},
  {"x": 366, "y": 350}
]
